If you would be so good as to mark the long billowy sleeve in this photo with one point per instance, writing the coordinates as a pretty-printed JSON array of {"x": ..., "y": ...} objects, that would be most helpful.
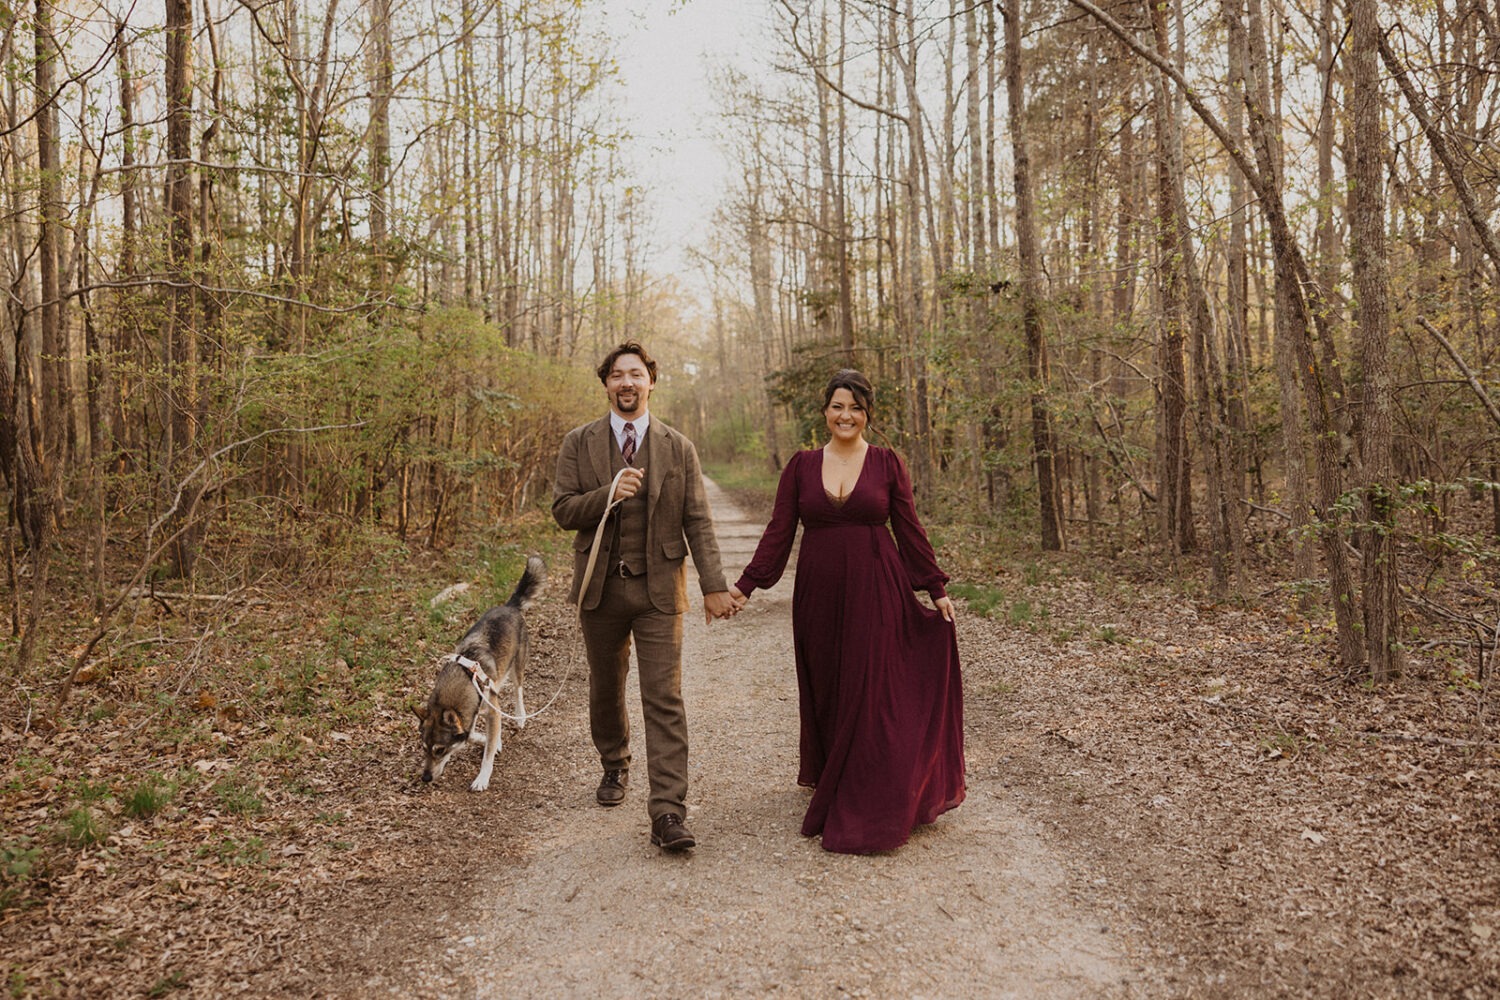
[
  {"x": 775, "y": 546},
  {"x": 916, "y": 550}
]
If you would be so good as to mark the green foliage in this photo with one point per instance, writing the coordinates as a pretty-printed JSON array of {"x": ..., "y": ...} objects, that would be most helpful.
[
  {"x": 149, "y": 797},
  {"x": 27, "y": 770},
  {"x": 297, "y": 684},
  {"x": 1284, "y": 744},
  {"x": 238, "y": 853},
  {"x": 20, "y": 861},
  {"x": 90, "y": 792},
  {"x": 505, "y": 563},
  {"x": 799, "y": 388},
  {"x": 980, "y": 599},
  {"x": 1110, "y": 635},
  {"x": 171, "y": 983},
  {"x": 1021, "y": 612},
  {"x": 83, "y": 826},
  {"x": 239, "y": 794},
  {"x": 744, "y": 475}
]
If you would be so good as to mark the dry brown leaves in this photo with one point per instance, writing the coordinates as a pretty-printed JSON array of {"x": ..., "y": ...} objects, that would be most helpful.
[
  {"x": 1265, "y": 826},
  {"x": 1272, "y": 828}
]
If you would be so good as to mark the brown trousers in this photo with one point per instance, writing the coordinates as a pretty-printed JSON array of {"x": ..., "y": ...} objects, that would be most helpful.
[{"x": 625, "y": 611}]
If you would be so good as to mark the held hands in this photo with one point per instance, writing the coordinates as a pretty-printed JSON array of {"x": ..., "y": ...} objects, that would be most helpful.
[
  {"x": 630, "y": 484},
  {"x": 722, "y": 604}
]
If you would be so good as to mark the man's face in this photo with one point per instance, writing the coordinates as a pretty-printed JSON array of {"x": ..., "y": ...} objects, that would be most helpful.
[{"x": 628, "y": 385}]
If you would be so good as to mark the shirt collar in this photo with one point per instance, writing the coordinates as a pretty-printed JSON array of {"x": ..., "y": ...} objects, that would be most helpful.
[{"x": 617, "y": 424}]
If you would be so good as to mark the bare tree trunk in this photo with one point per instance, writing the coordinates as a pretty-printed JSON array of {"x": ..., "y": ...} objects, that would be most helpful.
[
  {"x": 759, "y": 242},
  {"x": 55, "y": 409},
  {"x": 977, "y": 193},
  {"x": 1439, "y": 142},
  {"x": 466, "y": 114},
  {"x": 1237, "y": 335},
  {"x": 1043, "y": 449},
  {"x": 1174, "y": 462},
  {"x": 1209, "y": 395},
  {"x": 1367, "y": 257},
  {"x": 1318, "y": 386},
  {"x": 917, "y": 196},
  {"x": 382, "y": 71},
  {"x": 841, "y": 208},
  {"x": 181, "y": 346}
]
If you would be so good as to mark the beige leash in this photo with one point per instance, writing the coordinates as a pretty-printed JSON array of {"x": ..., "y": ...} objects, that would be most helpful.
[{"x": 588, "y": 571}]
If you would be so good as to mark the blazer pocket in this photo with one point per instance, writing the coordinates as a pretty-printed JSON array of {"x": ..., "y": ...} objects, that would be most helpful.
[{"x": 674, "y": 549}]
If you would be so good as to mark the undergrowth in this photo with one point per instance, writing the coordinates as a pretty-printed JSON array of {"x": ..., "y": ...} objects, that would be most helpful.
[{"x": 232, "y": 699}]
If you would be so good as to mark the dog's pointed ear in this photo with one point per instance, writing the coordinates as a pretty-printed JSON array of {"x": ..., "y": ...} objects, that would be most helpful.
[
  {"x": 420, "y": 711},
  {"x": 451, "y": 718}
]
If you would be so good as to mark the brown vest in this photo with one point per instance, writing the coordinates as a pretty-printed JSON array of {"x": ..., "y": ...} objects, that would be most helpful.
[{"x": 630, "y": 519}]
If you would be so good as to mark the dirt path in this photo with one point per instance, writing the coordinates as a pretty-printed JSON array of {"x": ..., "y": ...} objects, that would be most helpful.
[
  {"x": 1168, "y": 797},
  {"x": 976, "y": 904}
]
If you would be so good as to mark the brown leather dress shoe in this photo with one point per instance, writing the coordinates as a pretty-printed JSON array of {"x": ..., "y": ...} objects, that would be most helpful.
[
  {"x": 611, "y": 790},
  {"x": 668, "y": 833}
]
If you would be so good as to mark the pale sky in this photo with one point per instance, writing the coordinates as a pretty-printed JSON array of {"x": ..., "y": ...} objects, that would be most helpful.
[{"x": 667, "y": 50}]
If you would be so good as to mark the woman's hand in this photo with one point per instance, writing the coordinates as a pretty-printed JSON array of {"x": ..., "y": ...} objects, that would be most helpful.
[{"x": 945, "y": 605}]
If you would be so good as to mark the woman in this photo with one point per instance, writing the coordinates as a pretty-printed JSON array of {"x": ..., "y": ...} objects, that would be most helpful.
[{"x": 877, "y": 671}]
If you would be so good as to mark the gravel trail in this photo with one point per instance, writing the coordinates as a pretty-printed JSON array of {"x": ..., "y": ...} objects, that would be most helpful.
[{"x": 976, "y": 904}]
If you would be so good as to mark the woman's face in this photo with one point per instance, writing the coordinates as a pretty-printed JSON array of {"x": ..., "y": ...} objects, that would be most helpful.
[{"x": 846, "y": 417}]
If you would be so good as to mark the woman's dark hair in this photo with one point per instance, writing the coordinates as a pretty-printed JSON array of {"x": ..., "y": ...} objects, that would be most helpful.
[
  {"x": 859, "y": 387},
  {"x": 629, "y": 347}
]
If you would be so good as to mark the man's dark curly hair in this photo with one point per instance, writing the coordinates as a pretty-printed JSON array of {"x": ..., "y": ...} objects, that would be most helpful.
[{"x": 629, "y": 347}]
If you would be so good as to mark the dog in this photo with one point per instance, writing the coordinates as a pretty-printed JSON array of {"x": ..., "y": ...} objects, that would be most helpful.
[{"x": 492, "y": 653}]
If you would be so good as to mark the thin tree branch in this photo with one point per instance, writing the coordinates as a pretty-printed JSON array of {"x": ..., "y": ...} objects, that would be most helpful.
[
  {"x": 1474, "y": 383},
  {"x": 130, "y": 589},
  {"x": 1444, "y": 152},
  {"x": 812, "y": 64}
]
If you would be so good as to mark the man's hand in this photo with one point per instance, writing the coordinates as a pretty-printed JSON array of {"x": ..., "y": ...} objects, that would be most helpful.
[
  {"x": 720, "y": 605},
  {"x": 630, "y": 484}
]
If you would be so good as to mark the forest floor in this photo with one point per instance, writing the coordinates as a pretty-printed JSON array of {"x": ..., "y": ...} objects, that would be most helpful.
[{"x": 1167, "y": 798}]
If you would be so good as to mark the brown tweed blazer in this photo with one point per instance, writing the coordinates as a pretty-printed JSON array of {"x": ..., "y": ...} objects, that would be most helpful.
[{"x": 678, "y": 519}]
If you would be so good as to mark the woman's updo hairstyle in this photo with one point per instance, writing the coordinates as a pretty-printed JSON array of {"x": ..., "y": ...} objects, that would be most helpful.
[{"x": 859, "y": 387}]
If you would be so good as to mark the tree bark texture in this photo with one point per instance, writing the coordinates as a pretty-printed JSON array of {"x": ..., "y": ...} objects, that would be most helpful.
[{"x": 1043, "y": 446}]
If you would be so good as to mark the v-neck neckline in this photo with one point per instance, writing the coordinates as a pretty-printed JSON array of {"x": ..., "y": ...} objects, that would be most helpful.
[{"x": 837, "y": 499}]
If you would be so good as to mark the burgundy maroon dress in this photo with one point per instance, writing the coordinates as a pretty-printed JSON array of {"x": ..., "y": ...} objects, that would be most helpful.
[{"x": 877, "y": 671}]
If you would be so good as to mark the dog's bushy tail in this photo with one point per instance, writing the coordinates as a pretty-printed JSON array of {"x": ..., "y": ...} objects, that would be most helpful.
[{"x": 530, "y": 584}]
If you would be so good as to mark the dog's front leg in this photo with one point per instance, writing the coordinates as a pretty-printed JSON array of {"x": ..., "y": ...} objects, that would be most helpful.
[{"x": 491, "y": 747}]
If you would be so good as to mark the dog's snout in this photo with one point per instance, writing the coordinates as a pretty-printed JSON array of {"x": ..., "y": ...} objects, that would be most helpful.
[{"x": 427, "y": 776}]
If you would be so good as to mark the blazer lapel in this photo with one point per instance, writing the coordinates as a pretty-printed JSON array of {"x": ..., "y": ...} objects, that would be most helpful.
[
  {"x": 656, "y": 460},
  {"x": 600, "y": 440}
]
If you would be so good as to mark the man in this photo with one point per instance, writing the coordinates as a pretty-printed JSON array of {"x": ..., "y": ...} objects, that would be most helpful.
[{"x": 639, "y": 533}]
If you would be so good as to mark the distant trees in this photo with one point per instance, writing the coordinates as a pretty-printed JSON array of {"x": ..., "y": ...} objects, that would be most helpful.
[
  {"x": 1246, "y": 362},
  {"x": 246, "y": 249},
  {"x": 1213, "y": 280}
]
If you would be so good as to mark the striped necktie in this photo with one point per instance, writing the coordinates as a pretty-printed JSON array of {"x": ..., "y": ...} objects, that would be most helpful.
[{"x": 627, "y": 450}]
